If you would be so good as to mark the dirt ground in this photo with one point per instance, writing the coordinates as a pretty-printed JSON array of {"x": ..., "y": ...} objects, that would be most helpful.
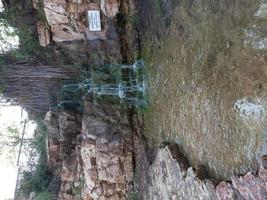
[{"x": 208, "y": 80}]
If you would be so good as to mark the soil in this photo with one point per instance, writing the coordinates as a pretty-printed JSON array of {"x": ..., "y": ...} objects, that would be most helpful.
[{"x": 204, "y": 72}]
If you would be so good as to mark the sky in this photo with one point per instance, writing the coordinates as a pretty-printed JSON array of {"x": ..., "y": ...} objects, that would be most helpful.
[{"x": 11, "y": 116}]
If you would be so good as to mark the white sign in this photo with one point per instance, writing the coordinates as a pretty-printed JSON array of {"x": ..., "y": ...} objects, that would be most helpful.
[{"x": 94, "y": 20}]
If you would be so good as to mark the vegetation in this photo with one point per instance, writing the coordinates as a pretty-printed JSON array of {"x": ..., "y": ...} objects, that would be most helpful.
[
  {"x": 38, "y": 178},
  {"x": 13, "y": 26},
  {"x": 44, "y": 196},
  {"x": 133, "y": 196}
]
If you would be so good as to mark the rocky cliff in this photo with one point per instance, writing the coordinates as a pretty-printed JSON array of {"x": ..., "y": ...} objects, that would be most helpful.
[
  {"x": 66, "y": 24},
  {"x": 93, "y": 155}
]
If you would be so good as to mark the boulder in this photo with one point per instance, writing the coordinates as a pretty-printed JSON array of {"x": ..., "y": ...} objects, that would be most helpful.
[{"x": 44, "y": 33}]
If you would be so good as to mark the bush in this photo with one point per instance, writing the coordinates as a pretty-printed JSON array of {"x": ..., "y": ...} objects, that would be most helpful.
[
  {"x": 44, "y": 196},
  {"x": 40, "y": 177}
]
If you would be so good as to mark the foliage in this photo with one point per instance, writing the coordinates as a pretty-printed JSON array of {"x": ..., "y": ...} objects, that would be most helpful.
[
  {"x": 77, "y": 190},
  {"x": 133, "y": 196},
  {"x": 14, "y": 28},
  {"x": 40, "y": 177},
  {"x": 11, "y": 138},
  {"x": 121, "y": 19},
  {"x": 44, "y": 196},
  {"x": 28, "y": 43}
]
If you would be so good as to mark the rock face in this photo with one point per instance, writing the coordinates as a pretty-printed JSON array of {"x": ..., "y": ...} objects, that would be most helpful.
[
  {"x": 92, "y": 153},
  {"x": 70, "y": 128},
  {"x": 66, "y": 26},
  {"x": 67, "y": 20},
  {"x": 55, "y": 11},
  {"x": 43, "y": 33},
  {"x": 167, "y": 178},
  {"x": 107, "y": 157}
]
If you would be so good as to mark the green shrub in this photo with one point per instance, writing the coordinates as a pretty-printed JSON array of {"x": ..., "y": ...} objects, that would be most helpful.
[
  {"x": 44, "y": 196},
  {"x": 40, "y": 177}
]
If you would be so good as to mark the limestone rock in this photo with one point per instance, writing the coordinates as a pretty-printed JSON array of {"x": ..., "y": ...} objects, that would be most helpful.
[
  {"x": 98, "y": 160},
  {"x": 225, "y": 191},
  {"x": 168, "y": 180},
  {"x": 43, "y": 33},
  {"x": 55, "y": 11},
  {"x": 107, "y": 162},
  {"x": 90, "y": 36},
  {"x": 62, "y": 33},
  {"x": 110, "y": 7},
  {"x": 69, "y": 128},
  {"x": 250, "y": 186},
  {"x": 76, "y": 8}
]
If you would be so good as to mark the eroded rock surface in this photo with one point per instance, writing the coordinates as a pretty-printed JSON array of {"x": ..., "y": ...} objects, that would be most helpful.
[
  {"x": 107, "y": 155},
  {"x": 92, "y": 153},
  {"x": 168, "y": 179}
]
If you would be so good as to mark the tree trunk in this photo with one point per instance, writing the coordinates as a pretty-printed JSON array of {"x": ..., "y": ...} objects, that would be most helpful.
[{"x": 35, "y": 88}]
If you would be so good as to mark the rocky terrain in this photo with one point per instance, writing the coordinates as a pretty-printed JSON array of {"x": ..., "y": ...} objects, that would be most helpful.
[
  {"x": 204, "y": 133},
  {"x": 170, "y": 177},
  {"x": 101, "y": 154},
  {"x": 92, "y": 154}
]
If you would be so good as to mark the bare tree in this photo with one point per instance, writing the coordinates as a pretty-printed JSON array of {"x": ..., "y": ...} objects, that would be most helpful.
[{"x": 35, "y": 87}]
